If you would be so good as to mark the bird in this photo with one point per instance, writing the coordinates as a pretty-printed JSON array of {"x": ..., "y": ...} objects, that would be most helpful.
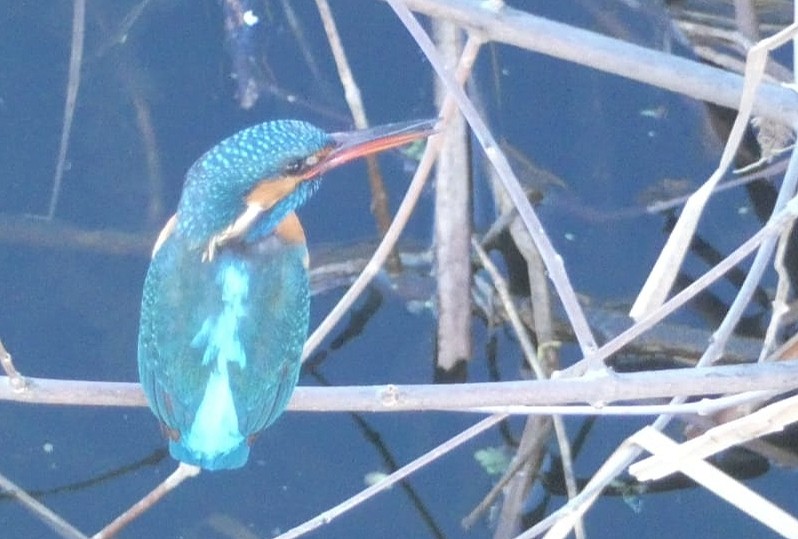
[{"x": 226, "y": 299}]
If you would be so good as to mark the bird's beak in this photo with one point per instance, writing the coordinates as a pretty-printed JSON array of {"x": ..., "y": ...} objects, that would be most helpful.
[{"x": 350, "y": 145}]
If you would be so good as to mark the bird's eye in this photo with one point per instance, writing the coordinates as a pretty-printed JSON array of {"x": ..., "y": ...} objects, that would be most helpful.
[
  {"x": 300, "y": 165},
  {"x": 294, "y": 167}
]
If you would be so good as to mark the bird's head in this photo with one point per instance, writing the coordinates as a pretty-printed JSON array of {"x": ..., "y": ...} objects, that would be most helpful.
[{"x": 248, "y": 183}]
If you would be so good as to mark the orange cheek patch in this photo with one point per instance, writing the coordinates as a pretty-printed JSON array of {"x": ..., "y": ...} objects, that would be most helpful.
[
  {"x": 268, "y": 193},
  {"x": 290, "y": 229}
]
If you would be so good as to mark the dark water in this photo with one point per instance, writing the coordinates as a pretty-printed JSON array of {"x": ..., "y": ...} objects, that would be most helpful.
[{"x": 69, "y": 313}]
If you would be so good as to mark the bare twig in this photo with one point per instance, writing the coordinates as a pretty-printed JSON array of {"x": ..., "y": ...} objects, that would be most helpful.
[
  {"x": 553, "y": 261},
  {"x": 781, "y": 299},
  {"x": 532, "y": 446},
  {"x": 155, "y": 206},
  {"x": 43, "y": 513},
  {"x": 452, "y": 219},
  {"x": 747, "y": 21},
  {"x": 75, "y": 61},
  {"x": 379, "y": 198},
  {"x": 757, "y": 58},
  {"x": 629, "y": 450},
  {"x": 771, "y": 230},
  {"x": 597, "y": 392},
  {"x": 561, "y": 521},
  {"x": 432, "y": 455},
  {"x": 729, "y": 489},
  {"x": 526, "y": 452},
  {"x": 400, "y": 220},
  {"x": 610, "y": 55},
  {"x": 530, "y": 353},
  {"x": 771, "y": 418},
  {"x": 662, "y": 276},
  {"x": 184, "y": 471},
  {"x": 765, "y": 172},
  {"x": 304, "y": 46},
  {"x": 536, "y": 432}
]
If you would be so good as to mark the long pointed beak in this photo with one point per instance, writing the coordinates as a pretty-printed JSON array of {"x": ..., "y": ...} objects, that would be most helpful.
[{"x": 350, "y": 145}]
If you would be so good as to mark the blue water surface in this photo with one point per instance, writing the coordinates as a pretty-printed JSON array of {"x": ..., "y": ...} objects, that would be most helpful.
[{"x": 73, "y": 313}]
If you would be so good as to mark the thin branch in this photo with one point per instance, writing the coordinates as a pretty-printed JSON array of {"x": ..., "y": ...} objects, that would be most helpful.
[
  {"x": 432, "y": 455},
  {"x": 503, "y": 290},
  {"x": 388, "y": 242},
  {"x": 784, "y": 211},
  {"x": 566, "y": 515},
  {"x": 536, "y": 430},
  {"x": 772, "y": 228},
  {"x": 781, "y": 298},
  {"x": 523, "y": 455},
  {"x": 379, "y": 197},
  {"x": 302, "y": 42},
  {"x": 554, "y": 263},
  {"x": 184, "y": 471},
  {"x": 727, "y": 488},
  {"x": 772, "y": 418},
  {"x": 531, "y": 448},
  {"x": 662, "y": 276},
  {"x": 603, "y": 53},
  {"x": 747, "y": 21},
  {"x": 597, "y": 391},
  {"x": 75, "y": 61},
  {"x": 42, "y": 512}
]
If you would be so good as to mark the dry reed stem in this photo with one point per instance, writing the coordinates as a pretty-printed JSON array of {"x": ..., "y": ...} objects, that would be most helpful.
[
  {"x": 669, "y": 263},
  {"x": 630, "y": 450},
  {"x": 554, "y": 263},
  {"x": 561, "y": 521},
  {"x": 767, "y": 420},
  {"x": 299, "y": 34},
  {"x": 412, "y": 195},
  {"x": 722, "y": 485},
  {"x": 757, "y": 57},
  {"x": 75, "y": 61},
  {"x": 184, "y": 471},
  {"x": 452, "y": 222},
  {"x": 538, "y": 431},
  {"x": 43, "y": 513},
  {"x": 579, "y": 396},
  {"x": 767, "y": 234},
  {"x": 781, "y": 298},
  {"x": 379, "y": 198},
  {"x": 602, "y": 53},
  {"x": 452, "y": 443}
]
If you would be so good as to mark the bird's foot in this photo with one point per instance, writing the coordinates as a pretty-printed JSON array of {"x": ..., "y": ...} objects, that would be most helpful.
[
  {"x": 235, "y": 231},
  {"x": 216, "y": 241}
]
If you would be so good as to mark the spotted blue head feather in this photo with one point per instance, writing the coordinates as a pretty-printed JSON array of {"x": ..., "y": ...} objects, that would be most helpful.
[{"x": 217, "y": 184}]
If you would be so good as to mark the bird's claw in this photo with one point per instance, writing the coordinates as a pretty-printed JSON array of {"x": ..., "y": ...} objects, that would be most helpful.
[{"x": 216, "y": 241}]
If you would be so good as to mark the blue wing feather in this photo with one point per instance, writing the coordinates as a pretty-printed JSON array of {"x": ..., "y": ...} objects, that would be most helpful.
[{"x": 220, "y": 343}]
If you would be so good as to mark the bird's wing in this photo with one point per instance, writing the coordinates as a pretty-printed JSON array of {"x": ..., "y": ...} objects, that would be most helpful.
[
  {"x": 197, "y": 319},
  {"x": 165, "y": 232}
]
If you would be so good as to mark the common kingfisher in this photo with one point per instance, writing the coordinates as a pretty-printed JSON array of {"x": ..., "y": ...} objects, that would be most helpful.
[{"x": 225, "y": 306}]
